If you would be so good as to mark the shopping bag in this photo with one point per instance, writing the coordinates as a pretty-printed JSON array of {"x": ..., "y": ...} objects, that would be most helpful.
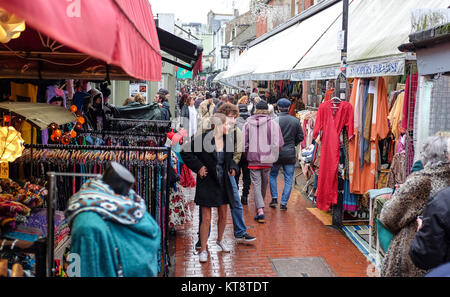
[{"x": 384, "y": 236}]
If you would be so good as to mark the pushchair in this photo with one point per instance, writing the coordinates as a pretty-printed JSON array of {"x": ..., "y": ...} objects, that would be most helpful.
[{"x": 307, "y": 160}]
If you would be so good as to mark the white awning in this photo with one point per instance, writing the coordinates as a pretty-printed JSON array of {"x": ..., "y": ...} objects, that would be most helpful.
[
  {"x": 290, "y": 45},
  {"x": 376, "y": 29},
  {"x": 308, "y": 50}
]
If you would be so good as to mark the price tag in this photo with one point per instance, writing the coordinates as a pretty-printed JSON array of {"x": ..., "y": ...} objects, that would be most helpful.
[{"x": 4, "y": 170}]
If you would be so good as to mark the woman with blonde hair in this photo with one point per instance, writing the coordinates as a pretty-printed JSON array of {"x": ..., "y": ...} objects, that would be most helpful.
[{"x": 243, "y": 100}]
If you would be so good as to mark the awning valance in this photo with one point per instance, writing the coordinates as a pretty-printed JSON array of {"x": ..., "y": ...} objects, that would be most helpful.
[
  {"x": 40, "y": 115},
  {"x": 101, "y": 37}
]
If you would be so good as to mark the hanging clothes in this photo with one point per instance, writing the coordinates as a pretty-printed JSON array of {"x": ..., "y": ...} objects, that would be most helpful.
[
  {"x": 364, "y": 178},
  {"x": 331, "y": 126},
  {"x": 412, "y": 82}
]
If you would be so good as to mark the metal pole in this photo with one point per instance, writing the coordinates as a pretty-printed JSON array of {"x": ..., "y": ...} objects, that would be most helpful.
[
  {"x": 51, "y": 224},
  {"x": 341, "y": 91}
]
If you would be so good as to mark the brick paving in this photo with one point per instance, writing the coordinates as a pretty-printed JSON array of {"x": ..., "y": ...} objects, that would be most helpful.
[{"x": 294, "y": 233}]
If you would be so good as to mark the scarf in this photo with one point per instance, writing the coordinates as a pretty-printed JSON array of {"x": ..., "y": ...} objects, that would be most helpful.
[{"x": 97, "y": 196}]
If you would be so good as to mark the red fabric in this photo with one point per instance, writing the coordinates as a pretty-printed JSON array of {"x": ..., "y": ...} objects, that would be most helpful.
[
  {"x": 410, "y": 100},
  {"x": 328, "y": 95},
  {"x": 119, "y": 32},
  {"x": 186, "y": 178},
  {"x": 258, "y": 167},
  {"x": 331, "y": 127},
  {"x": 292, "y": 109},
  {"x": 198, "y": 66}
]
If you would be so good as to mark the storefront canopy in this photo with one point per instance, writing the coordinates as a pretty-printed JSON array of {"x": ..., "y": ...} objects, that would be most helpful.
[
  {"x": 83, "y": 39},
  {"x": 40, "y": 115},
  {"x": 308, "y": 50},
  {"x": 182, "y": 49}
]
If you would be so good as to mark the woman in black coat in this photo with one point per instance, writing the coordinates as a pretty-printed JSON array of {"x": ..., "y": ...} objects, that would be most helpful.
[{"x": 210, "y": 155}]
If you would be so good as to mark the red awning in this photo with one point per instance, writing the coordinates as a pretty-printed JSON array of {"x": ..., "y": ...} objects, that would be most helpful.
[{"x": 118, "y": 32}]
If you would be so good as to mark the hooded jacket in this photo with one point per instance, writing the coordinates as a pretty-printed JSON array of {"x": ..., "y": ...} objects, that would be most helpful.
[{"x": 263, "y": 140}]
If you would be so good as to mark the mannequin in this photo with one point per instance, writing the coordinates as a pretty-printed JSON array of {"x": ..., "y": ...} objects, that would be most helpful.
[
  {"x": 111, "y": 228},
  {"x": 118, "y": 178}
]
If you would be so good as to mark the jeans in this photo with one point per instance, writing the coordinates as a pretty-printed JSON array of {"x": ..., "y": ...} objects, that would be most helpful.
[
  {"x": 237, "y": 212},
  {"x": 288, "y": 170}
]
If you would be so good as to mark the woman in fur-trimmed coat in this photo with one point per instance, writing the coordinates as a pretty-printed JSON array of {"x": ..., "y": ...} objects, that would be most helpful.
[{"x": 399, "y": 214}]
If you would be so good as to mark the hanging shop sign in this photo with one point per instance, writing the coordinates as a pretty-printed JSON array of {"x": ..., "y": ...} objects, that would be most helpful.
[{"x": 225, "y": 52}]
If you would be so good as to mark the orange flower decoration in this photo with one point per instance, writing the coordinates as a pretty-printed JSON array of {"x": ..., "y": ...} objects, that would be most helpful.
[
  {"x": 73, "y": 134},
  {"x": 7, "y": 118},
  {"x": 73, "y": 108}
]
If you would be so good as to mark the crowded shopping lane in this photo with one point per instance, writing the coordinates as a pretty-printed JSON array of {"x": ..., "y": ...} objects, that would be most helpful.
[{"x": 289, "y": 235}]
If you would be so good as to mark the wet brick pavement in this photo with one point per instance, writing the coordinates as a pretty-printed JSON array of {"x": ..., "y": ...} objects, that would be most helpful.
[{"x": 294, "y": 233}]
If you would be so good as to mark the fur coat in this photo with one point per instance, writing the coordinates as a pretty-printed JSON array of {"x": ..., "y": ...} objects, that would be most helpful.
[{"x": 399, "y": 215}]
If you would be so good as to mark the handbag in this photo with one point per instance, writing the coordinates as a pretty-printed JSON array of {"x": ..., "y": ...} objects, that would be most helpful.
[{"x": 384, "y": 236}]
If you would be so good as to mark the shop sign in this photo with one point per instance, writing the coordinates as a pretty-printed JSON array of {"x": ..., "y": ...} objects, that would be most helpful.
[
  {"x": 4, "y": 170},
  {"x": 139, "y": 88},
  {"x": 375, "y": 69},
  {"x": 225, "y": 52}
]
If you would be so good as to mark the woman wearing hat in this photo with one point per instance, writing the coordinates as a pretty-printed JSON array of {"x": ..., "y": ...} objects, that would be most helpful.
[{"x": 263, "y": 142}]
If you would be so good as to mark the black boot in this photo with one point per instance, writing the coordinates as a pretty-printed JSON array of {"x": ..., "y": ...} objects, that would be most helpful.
[{"x": 244, "y": 200}]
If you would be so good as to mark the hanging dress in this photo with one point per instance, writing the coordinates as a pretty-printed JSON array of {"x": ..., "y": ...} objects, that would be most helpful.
[{"x": 331, "y": 127}]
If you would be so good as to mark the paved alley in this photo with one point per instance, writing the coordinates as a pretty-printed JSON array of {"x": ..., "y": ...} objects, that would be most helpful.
[{"x": 289, "y": 235}]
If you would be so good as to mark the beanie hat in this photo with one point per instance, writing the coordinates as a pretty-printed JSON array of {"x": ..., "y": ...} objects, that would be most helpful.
[
  {"x": 262, "y": 105},
  {"x": 283, "y": 103}
]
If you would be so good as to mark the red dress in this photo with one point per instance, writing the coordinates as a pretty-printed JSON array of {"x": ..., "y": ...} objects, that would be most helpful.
[{"x": 331, "y": 127}]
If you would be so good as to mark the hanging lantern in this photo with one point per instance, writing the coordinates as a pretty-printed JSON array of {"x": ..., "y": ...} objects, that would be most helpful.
[
  {"x": 57, "y": 132},
  {"x": 81, "y": 120},
  {"x": 53, "y": 126},
  {"x": 78, "y": 126},
  {"x": 65, "y": 139},
  {"x": 11, "y": 144},
  {"x": 10, "y": 26}
]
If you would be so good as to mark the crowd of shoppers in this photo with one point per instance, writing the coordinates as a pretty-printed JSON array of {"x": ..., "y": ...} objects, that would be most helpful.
[{"x": 233, "y": 136}]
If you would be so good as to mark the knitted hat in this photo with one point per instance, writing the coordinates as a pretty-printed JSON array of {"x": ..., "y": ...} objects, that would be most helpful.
[{"x": 262, "y": 105}]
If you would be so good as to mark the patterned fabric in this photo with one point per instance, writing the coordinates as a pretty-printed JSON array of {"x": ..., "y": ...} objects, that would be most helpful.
[{"x": 98, "y": 197}]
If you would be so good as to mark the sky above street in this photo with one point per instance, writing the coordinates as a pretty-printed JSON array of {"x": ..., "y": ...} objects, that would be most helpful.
[{"x": 195, "y": 11}]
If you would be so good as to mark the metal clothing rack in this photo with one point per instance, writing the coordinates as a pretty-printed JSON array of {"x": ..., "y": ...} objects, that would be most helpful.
[
  {"x": 94, "y": 147},
  {"x": 51, "y": 203},
  {"x": 119, "y": 133},
  {"x": 50, "y": 268}
]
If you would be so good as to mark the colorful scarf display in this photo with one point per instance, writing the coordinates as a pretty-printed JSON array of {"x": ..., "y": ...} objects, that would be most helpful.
[{"x": 98, "y": 197}]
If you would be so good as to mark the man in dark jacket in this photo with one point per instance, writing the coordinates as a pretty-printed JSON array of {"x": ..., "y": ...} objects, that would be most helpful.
[
  {"x": 431, "y": 246},
  {"x": 243, "y": 163},
  {"x": 292, "y": 135}
]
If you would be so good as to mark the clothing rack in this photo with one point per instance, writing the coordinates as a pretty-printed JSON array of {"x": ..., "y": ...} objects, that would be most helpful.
[
  {"x": 120, "y": 133},
  {"x": 94, "y": 147},
  {"x": 51, "y": 203},
  {"x": 162, "y": 217}
]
